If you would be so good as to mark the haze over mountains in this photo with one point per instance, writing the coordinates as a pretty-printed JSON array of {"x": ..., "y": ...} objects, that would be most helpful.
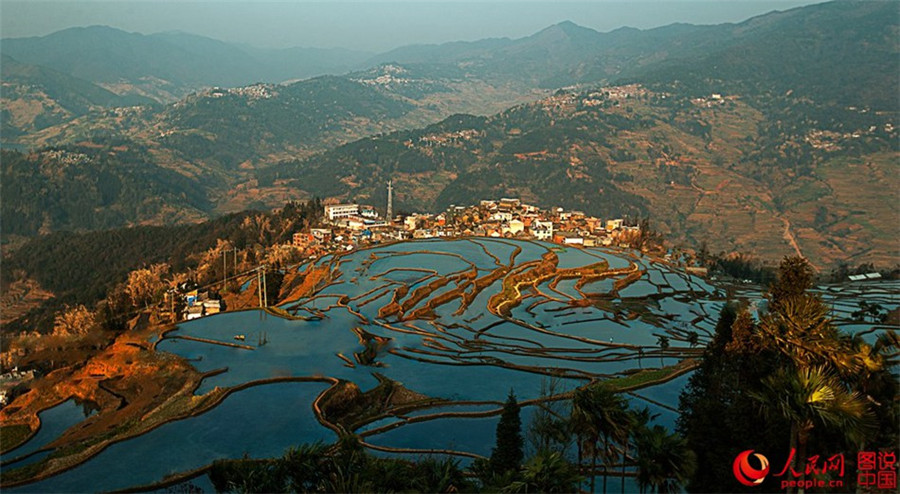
[
  {"x": 805, "y": 95},
  {"x": 170, "y": 65}
]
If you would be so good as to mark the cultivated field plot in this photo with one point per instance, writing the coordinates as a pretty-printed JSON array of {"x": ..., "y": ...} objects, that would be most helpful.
[{"x": 414, "y": 346}]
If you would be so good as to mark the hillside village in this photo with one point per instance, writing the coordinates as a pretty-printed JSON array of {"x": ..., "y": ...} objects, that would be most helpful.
[
  {"x": 351, "y": 226},
  {"x": 348, "y": 226}
]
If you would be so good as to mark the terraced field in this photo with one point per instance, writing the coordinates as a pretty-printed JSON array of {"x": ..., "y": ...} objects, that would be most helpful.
[{"x": 414, "y": 346}]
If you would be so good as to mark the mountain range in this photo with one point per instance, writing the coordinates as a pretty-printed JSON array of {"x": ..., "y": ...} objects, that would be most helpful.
[
  {"x": 168, "y": 66},
  {"x": 773, "y": 110}
]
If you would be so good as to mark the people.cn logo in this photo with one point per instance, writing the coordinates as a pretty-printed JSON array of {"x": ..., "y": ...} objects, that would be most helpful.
[{"x": 746, "y": 473}]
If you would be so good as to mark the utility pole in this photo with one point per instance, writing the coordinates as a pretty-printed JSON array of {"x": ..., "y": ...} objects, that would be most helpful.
[
  {"x": 265, "y": 289},
  {"x": 390, "y": 204},
  {"x": 259, "y": 286}
]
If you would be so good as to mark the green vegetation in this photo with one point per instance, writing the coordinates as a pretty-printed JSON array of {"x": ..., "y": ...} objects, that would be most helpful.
[
  {"x": 789, "y": 381},
  {"x": 224, "y": 129},
  {"x": 599, "y": 417},
  {"x": 829, "y": 49},
  {"x": 508, "y": 454},
  {"x": 83, "y": 268},
  {"x": 344, "y": 468},
  {"x": 644, "y": 377},
  {"x": 603, "y": 426},
  {"x": 62, "y": 97},
  {"x": 664, "y": 462},
  {"x": 733, "y": 185},
  {"x": 13, "y": 435},
  {"x": 86, "y": 188},
  {"x": 738, "y": 266},
  {"x": 547, "y": 471},
  {"x": 19, "y": 474},
  {"x": 765, "y": 158},
  {"x": 546, "y": 177}
]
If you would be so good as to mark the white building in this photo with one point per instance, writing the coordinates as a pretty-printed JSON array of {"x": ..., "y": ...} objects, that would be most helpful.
[
  {"x": 321, "y": 234},
  {"x": 335, "y": 211},
  {"x": 502, "y": 216},
  {"x": 542, "y": 230},
  {"x": 368, "y": 212},
  {"x": 412, "y": 221},
  {"x": 211, "y": 307},
  {"x": 193, "y": 312},
  {"x": 614, "y": 224},
  {"x": 514, "y": 227}
]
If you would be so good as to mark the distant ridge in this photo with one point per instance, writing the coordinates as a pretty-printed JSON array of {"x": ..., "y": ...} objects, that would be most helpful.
[
  {"x": 172, "y": 64},
  {"x": 60, "y": 97},
  {"x": 786, "y": 121},
  {"x": 176, "y": 62}
]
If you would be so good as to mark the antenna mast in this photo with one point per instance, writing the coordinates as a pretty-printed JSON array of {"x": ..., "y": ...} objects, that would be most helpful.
[{"x": 390, "y": 206}]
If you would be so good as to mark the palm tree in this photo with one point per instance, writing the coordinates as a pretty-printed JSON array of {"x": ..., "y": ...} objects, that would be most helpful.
[
  {"x": 346, "y": 479},
  {"x": 347, "y": 467},
  {"x": 305, "y": 465},
  {"x": 439, "y": 475},
  {"x": 877, "y": 381},
  {"x": 808, "y": 397},
  {"x": 548, "y": 429},
  {"x": 693, "y": 338},
  {"x": 598, "y": 412},
  {"x": 581, "y": 421},
  {"x": 802, "y": 330},
  {"x": 637, "y": 423},
  {"x": 872, "y": 359},
  {"x": 663, "y": 342},
  {"x": 547, "y": 471},
  {"x": 392, "y": 475},
  {"x": 664, "y": 461},
  {"x": 247, "y": 475},
  {"x": 795, "y": 276}
]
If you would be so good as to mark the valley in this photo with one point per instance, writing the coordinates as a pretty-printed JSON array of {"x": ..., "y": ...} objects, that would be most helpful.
[{"x": 721, "y": 157}]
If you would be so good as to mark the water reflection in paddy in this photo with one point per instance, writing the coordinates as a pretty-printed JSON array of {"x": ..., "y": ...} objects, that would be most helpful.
[
  {"x": 294, "y": 348},
  {"x": 474, "y": 435},
  {"x": 260, "y": 422},
  {"x": 462, "y": 351},
  {"x": 54, "y": 421}
]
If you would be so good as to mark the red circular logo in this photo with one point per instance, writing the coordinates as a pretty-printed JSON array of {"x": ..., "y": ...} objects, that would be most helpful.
[{"x": 746, "y": 473}]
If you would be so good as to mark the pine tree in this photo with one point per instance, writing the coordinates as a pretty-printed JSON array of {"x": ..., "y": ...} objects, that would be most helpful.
[
  {"x": 507, "y": 455},
  {"x": 719, "y": 419}
]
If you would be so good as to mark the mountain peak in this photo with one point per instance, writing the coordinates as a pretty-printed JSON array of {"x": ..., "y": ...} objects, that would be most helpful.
[
  {"x": 566, "y": 29},
  {"x": 567, "y": 25},
  {"x": 93, "y": 29}
]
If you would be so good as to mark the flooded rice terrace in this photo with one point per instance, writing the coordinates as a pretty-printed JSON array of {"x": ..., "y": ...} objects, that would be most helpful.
[{"x": 443, "y": 330}]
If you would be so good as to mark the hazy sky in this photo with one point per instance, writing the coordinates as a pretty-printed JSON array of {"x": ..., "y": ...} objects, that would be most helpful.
[{"x": 372, "y": 25}]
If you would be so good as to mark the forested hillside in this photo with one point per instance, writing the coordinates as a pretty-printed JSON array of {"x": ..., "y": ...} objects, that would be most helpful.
[
  {"x": 167, "y": 66},
  {"x": 77, "y": 188},
  {"x": 715, "y": 169},
  {"x": 35, "y": 97},
  {"x": 743, "y": 135},
  {"x": 836, "y": 53},
  {"x": 83, "y": 268}
]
